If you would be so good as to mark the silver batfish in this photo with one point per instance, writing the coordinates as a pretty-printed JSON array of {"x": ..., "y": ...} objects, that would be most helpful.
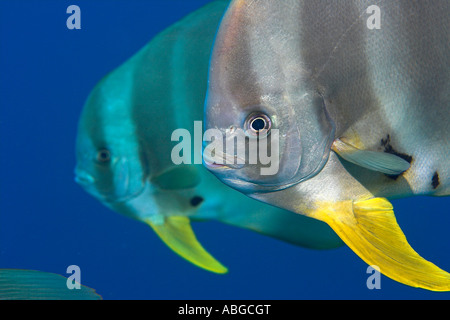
[
  {"x": 124, "y": 147},
  {"x": 357, "y": 95}
]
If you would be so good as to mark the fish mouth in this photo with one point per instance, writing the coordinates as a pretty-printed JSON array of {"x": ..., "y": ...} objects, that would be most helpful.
[
  {"x": 87, "y": 182},
  {"x": 83, "y": 178},
  {"x": 222, "y": 161},
  {"x": 211, "y": 165}
]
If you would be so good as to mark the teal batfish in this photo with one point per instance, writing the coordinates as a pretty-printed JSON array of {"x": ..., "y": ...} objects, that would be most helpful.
[
  {"x": 124, "y": 148},
  {"x": 353, "y": 98},
  {"x": 17, "y": 284}
]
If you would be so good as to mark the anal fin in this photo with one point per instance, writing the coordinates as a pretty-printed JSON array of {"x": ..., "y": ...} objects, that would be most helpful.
[
  {"x": 176, "y": 232},
  {"x": 370, "y": 229}
]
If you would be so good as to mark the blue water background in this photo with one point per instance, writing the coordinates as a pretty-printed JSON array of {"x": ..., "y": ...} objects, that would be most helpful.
[{"x": 47, "y": 222}]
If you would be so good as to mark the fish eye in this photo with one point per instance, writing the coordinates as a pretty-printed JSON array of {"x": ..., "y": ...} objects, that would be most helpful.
[
  {"x": 103, "y": 156},
  {"x": 258, "y": 124}
]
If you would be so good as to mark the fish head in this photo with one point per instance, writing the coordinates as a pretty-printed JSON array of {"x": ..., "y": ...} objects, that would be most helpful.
[
  {"x": 259, "y": 93},
  {"x": 109, "y": 160}
]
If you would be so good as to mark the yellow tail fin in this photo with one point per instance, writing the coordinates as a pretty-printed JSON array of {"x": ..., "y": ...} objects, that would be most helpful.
[
  {"x": 370, "y": 229},
  {"x": 177, "y": 234}
]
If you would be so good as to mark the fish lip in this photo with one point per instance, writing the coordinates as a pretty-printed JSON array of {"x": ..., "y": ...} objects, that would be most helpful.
[
  {"x": 214, "y": 166},
  {"x": 83, "y": 178},
  {"x": 211, "y": 165}
]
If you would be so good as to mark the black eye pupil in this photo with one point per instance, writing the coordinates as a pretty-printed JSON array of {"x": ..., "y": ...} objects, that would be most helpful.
[
  {"x": 258, "y": 124},
  {"x": 103, "y": 156}
]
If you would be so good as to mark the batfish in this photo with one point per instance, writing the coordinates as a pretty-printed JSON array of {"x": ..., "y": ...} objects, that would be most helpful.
[
  {"x": 350, "y": 99},
  {"x": 124, "y": 147},
  {"x": 17, "y": 284}
]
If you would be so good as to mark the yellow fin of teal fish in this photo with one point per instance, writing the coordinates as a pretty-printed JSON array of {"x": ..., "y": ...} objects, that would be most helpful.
[
  {"x": 370, "y": 229},
  {"x": 17, "y": 284},
  {"x": 377, "y": 161},
  {"x": 176, "y": 232}
]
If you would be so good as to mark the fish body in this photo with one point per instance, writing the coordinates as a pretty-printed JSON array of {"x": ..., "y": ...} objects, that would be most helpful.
[
  {"x": 19, "y": 284},
  {"x": 124, "y": 148},
  {"x": 361, "y": 108}
]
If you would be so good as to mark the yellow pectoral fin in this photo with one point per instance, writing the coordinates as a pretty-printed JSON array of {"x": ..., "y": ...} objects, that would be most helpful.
[
  {"x": 370, "y": 229},
  {"x": 176, "y": 232}
]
